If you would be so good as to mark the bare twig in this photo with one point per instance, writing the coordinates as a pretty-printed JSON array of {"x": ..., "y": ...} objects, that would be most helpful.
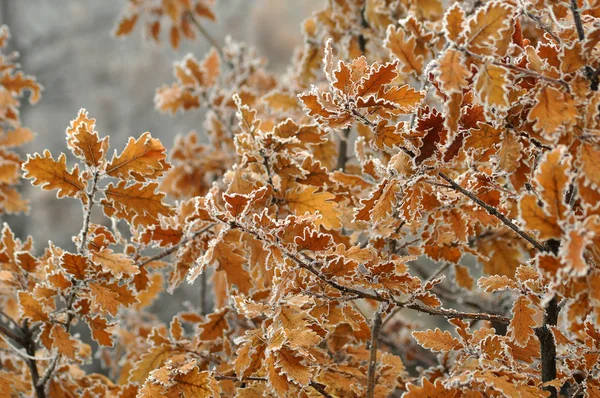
[
  {"x": 213, "y": 42},
  {"x": 375, "y": 329},
  {"x": 542, "y": 25}
]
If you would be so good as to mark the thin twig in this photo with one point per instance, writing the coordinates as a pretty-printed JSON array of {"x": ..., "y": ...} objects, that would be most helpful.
[
  {"x": 356, "y": 294},
  {"x": 4, "y": 331},
  {"x": 213, "y": 42},
  {"x": 542, "y": 25},
  {"x": 22, "y": 354},
  {"x": 320, "y": 389},
  {"x": 375, "y": 329},
  {"x": 82, "y": 249},
  {"x": 494, "y": 212},
  {"x": 173, "y": 248}
]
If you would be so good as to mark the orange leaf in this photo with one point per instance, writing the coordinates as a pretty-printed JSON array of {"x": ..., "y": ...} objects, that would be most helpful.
[
  {"x": 437, "y": 340},
  {"x": 76, "y": 265},
  {"x": 104, "y": 299},
  {"x": 143, "y": 157},
  {"x": 63, "y": 342},
  {"x": 452, "y": 72},
  {"x": 101, "y": 330},
  {"x": 378, "y": 78},
  {"x": 305, "y": 199},
  {"x": 552, "y": 110},
  {"x": 402, "y": 47},
  {"x": 537, "y": 220},
  {"x": 53, "y": 174},
  {"x": 521, "y": 325},
  {"x": 137, "y": 200},
  {"x": 84, "y": 141},
  {"x": 491, "y": 85},
  {"x": 215, "y": 327},
  {"x": 31, "y": 308},
  {"x": 116, "y": 263}
]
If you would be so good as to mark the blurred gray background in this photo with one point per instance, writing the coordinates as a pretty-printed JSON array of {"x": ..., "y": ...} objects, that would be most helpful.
[{"x": 68, "y": 45}]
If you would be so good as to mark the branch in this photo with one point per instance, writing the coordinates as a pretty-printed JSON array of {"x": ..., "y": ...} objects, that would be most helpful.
[
  {"x": 343, "y": 150},
  {"x": 82, "y": 249},
  {"x": 174, "y": 248},
  {"x": 213, "y": 42},
  {"x": 320, "y": 389},
  {"x": 542, "y": 25},
  {"x": 547, "y": 345},
  {"x": 4, "y": 331},
  {"x": 590, "y": 74},
  {"x": 448, "y": 313},
  {"x": 88, "y": 214},
  {"x": 375, "y": 329},
  {"x": 494, "y": 212}
]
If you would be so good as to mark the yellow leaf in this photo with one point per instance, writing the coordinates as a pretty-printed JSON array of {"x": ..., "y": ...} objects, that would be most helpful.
[
  {"x": 53, "y": 174},
  {"x": 306, "y": 199}
]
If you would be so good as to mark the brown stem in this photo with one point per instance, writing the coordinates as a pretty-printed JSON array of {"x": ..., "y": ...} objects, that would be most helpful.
[
  {"x": 542, "y": 25},
  {"x": 591, "y": 75},
  {"x": 32, "y": 363},
  {"x": 320, "y": 388},
  {"x": 375, "y": 329},
  {"x": 547, "y": 345},
  {"x": 343, "y": 150}
]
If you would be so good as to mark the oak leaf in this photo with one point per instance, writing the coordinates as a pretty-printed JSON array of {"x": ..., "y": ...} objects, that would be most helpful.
[
  {"x": 306, "y": 199},
  {"x": 522, "y": 323},
  {"x": 491, "y": 85},
  {"x": 437, "y": 340},
  {"x": 552, "y": 110},
  {"x": 101, "y": 330},
  {"x": 143, "y": 157},
  {"x": 117, "y": 264},
  {"x": 53, "y": 174}
]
